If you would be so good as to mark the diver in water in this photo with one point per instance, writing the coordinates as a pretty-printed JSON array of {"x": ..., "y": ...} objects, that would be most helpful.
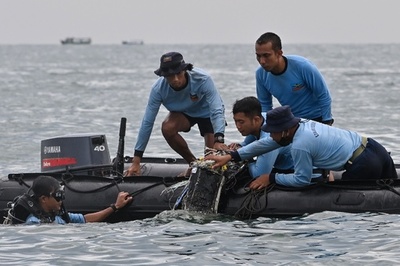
[{"x": 45, "y": 205}]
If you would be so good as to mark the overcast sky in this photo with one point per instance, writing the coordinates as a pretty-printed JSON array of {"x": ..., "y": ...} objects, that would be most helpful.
[{"x": 199, "y": 21}]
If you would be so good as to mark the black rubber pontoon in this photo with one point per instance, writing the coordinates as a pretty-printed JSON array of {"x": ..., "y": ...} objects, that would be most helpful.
[{"x": 92, "y": 181}]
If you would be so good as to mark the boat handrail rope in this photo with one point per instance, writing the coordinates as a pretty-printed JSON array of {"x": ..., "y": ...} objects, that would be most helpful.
[
  {"x": 116, "y": 181},
  {"x": 64, "y": 181},
  {"x": 164, "y": 182},
  {"x": 145, "y": 188},
  {"x": 19, "y": 178},
  {"x": 362, "y": 184},
  {"x": 70, "y": 169},
  {"x": 67, "y": 177}
]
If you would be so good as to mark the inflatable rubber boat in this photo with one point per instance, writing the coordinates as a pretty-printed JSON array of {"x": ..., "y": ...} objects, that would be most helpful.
[{"x": 92, "y": 181}]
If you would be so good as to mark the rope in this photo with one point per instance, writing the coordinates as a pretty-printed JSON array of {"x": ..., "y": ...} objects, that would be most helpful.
[
  {"x": 387, "y": 184},
  {"x": 254, "y": 202},
  {"x": 113, "y": 182},
  {"x": 145, "y": 188}
]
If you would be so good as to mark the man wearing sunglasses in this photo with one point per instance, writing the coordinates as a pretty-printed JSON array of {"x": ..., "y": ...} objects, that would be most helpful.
[
  {"x": 45, "y": 205},
  {"x": 190, "y": 96}
]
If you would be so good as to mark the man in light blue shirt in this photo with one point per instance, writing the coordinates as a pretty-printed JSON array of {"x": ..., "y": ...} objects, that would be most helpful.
[
  {"x": 314, "y": 144},
  {"x": 248, "y": 120},
  {"x": 190, "y": 96},
  {"x": 293, "y": 80}
]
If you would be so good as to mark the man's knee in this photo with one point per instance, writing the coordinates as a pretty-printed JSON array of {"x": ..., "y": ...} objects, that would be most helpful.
[{"x": 169, "y": 129}]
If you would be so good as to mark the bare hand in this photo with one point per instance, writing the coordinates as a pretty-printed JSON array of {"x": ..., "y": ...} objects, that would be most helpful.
[
  {"x": 220, "y": 160},
  {"x": 261, "y": 182},
  {"x": 234, "y": 146},
  {"x": 123, "y": 199},
  {"x": 220, "y": 146},
  {"x": 134, "y": 169}
]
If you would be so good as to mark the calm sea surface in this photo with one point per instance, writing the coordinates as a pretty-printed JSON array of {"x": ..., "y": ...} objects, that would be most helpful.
[{"x": 53, "y": 90}]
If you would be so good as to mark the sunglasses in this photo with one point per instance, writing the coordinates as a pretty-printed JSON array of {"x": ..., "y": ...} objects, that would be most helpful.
[{"x": 58, "y": 195}]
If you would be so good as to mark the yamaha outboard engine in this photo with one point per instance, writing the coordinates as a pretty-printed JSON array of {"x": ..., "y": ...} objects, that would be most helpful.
[{"x": 83, "y": 153}]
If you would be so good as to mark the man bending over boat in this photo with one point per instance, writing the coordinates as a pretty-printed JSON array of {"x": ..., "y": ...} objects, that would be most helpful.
[
  {"x": 45, "y": 205},
  {"x": 319, "y": 145},
  {"x": 190, "y": 96},
  {"x": 249, "y": 120}
]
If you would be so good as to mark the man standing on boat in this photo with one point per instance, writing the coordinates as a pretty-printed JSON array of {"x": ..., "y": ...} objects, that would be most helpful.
[
  {"x": 190, "y": 96},
  {"x": 293, "y": 80}
]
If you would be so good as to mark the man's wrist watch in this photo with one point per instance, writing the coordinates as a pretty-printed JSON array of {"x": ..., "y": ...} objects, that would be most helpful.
[
  {"x": 219, "y": 139},
  {"x": 115, "y": 209}
]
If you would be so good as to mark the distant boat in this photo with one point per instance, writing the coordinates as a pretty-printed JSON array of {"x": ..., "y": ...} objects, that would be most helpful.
[
  {"x": 71, "y": 40},
  {"x": 133, "y": 42}
]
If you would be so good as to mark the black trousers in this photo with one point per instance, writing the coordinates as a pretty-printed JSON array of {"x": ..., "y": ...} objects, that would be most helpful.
[{"x": 373, "y": 163}]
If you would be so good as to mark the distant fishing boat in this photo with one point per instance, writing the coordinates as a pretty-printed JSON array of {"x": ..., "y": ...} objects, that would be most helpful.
[
  {"x": 71, "y": 40},
  {"x": 133, "y": 42}
]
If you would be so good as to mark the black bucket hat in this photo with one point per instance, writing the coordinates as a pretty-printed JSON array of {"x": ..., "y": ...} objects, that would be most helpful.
[
  {"x": 171, "y": 63},
  {"x": 280, "y": 119}
]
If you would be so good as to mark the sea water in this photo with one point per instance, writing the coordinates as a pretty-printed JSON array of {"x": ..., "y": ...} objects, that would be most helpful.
[{"x": 53, "y": 90}]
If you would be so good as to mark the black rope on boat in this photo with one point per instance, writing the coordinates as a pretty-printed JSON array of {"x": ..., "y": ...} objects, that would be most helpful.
[
  {"x": 105, "y": 168},
  {"x": 166, "y": 181},
  {"x": 387, "y": 184},
  {"x": 145, "y": 188},
  {"x": 371, "y": 184},
  {"x": 254, "y": 202},
  {"x": 66, "y": 178},
  {"x": 20, "y": 179}
]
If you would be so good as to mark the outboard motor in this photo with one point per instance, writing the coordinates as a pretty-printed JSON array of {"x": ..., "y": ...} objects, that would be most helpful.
[{"x": 75, "y": 152}]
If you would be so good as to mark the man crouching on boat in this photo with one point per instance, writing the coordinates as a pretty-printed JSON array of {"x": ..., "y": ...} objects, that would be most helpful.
[
  {"x": 190, "y": 96},
  {"x": 322, "y": 146},
  {"x": 45, "y": 205}
]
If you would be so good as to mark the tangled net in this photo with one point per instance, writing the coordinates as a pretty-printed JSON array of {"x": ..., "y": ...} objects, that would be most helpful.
[{"x": 228, "y": 170}]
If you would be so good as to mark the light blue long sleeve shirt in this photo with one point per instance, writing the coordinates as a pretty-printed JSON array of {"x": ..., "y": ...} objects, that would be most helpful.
[
  {"x": 319, "y": 145},
  {"x": 199, "y": 99},
  {"x": 279, "y": 158},
  {"x": 315, "y": 145},
  {"x": 257, "y": 148},
  {"x": 74, "y": 218},
  {"x": 301, "y": 86}
]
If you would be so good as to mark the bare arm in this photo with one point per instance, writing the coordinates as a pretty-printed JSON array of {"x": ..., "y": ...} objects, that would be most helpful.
[
  {"x": 134, "y": 169},
  {"x": 122, "y": 199}
]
